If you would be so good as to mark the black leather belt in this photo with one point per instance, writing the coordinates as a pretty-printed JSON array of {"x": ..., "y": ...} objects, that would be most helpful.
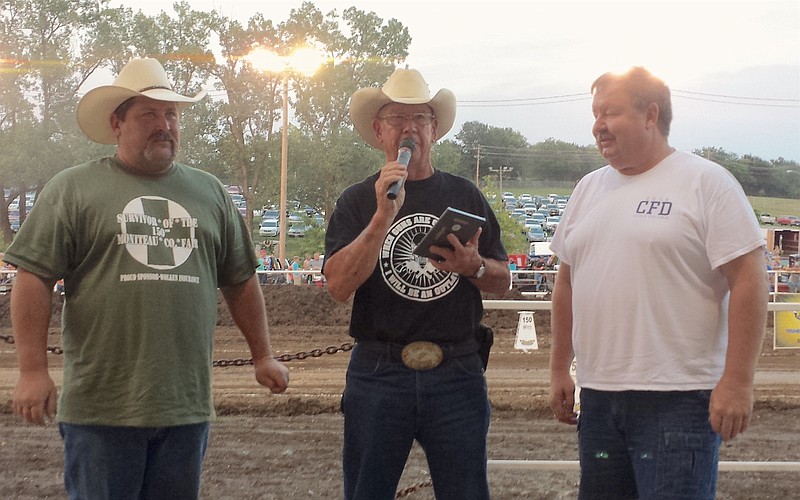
[{"x": 420, "y": 355}]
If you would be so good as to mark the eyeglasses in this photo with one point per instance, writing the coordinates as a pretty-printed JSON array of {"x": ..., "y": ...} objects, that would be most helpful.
[{"x": 421, "y": 119}]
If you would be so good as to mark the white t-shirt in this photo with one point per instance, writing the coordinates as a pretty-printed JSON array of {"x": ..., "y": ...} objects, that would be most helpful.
[{"x": 649, "y": 302}]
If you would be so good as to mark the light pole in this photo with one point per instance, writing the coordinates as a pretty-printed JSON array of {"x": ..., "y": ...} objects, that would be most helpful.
[
  {"x": 284, "y": 171},
  {"x": 305, "y": 62}
]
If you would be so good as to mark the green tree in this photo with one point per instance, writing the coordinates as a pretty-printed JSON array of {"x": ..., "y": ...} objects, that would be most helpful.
[
  {"x": 499, "y": 147},
  {"x": 556, "y": 160},
  {"x": 446, "y": 156},
  {"x": 37, "y": 117}
]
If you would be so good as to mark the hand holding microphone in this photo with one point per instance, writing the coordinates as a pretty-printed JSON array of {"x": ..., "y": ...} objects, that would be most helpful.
[{"x": 407, "y": 147}]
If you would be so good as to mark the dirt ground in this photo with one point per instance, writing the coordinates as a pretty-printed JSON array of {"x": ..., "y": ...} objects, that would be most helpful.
[{"x": 288, "y": 446}]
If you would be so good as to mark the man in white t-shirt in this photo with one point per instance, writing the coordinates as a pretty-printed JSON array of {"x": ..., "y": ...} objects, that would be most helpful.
[{"x": 661, "y": 298}]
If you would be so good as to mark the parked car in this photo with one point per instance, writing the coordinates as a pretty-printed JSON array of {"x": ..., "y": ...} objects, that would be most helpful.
[
  {"x": 296, "y": 230},
  {"x": 539, "y": 217},
  {"x": 536, "y": 233},
  {"x": 242, "y": 208},
  {"x": 788, "y": 220},
  {"x": 766, "y": 219},
  {"x": 551, "y": 224},
  {"x": 529, "y": 222},
  {"x": 270, "y": 214},
  {"x": 269, "y": 227}
]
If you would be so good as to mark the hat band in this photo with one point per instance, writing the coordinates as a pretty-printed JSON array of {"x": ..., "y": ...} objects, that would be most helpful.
[{"x": 154, "y": 87}]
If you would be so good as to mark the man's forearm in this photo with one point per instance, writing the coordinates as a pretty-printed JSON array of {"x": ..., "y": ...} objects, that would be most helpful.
[
  {"x": 496, "y": 279},
  {"x": 246, "y": 305},
  {"x": 747, "y": 320},
  {"x": 747, "y": 315},
  {"x": 31, "y": 303}
]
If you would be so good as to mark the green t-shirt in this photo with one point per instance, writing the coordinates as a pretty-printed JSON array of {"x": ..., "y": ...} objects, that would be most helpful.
[{"x": 141, "y": 259}]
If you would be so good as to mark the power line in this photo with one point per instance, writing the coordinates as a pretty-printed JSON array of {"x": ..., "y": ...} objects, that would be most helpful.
[
  {"x": 770, "y": 102},
  {"x": 707, "y": 97},
  {"x": 520, "y": 102},
  {"x": 759, "y": 104},
  {"x": 735, "y": 96}
]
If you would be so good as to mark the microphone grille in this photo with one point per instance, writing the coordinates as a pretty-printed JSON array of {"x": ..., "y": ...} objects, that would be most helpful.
[{"x": 408, "y": 143}]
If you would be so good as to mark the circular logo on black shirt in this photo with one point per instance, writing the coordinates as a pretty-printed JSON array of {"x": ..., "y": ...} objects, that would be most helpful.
[{"x": 406, "y": 273}]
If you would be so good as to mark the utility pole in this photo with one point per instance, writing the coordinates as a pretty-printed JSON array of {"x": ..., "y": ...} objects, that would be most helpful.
[
  {"x": 478, "y": 167},
  {"x": 501, "y": 170}
]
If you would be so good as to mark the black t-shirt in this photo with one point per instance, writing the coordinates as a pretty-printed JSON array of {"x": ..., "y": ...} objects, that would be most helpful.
[{"x": 406, "y": 298}]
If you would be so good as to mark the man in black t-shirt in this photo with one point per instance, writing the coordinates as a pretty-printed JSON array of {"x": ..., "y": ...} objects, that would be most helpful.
[{"x": 415, "y": 372}]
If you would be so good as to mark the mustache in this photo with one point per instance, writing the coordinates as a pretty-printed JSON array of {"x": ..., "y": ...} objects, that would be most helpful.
[{"x": 162, "y": 136}]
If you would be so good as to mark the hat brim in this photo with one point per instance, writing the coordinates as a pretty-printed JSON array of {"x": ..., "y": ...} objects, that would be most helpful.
[
  {"x": 95, "y": 108},
  {"x": 367, "y": 102}
]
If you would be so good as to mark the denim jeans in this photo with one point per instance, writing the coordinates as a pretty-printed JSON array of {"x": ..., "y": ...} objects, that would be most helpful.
[
  {"x": 121, "y": 463},
  {"x": 647, "y": 445},
  {"x": 387, "y": 406}
]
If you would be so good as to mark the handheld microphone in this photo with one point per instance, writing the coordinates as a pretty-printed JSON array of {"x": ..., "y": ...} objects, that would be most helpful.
[{"x": 407, "y": 147}]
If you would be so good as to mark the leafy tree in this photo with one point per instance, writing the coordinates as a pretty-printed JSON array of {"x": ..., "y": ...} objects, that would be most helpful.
[
  {"x": 37, "y": 117},
  {"x": 252, "y": 108},
  {"x": 499, "y": 147},
  {"x": 560, "y": 161},
  {"x": 446, "y": 156}
]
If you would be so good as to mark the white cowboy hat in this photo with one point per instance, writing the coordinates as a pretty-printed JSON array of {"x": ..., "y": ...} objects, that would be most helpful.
[
  {"x": 139, "y": 77},
  {"x": 405, "y": 86}
]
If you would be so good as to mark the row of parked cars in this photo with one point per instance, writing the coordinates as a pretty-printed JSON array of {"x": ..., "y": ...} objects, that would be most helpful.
[
  {"x": 538, "y": 215},
  {"x": 782, "y": 220},
  {"x": 297, "y": 223}
]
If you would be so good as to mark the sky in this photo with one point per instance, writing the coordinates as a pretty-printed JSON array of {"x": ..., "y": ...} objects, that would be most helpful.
[{"x": 733, "y": 67}]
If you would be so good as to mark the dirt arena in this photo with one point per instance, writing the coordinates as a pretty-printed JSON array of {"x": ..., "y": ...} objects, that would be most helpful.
[{"x": 288, "y": 446}]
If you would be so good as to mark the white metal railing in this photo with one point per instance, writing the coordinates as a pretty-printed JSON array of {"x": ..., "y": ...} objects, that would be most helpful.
[{"x": 574, "y": 465}]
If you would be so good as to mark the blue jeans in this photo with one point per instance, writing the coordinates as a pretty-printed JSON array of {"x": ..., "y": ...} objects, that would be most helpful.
[
  {"x": 116, "y": 463},
  {"x": 647, "y": 445},
  {"x": 387, "y": 406}
]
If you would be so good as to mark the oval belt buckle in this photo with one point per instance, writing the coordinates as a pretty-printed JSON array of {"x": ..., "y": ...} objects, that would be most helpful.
[{"x": 422, "y": 355}]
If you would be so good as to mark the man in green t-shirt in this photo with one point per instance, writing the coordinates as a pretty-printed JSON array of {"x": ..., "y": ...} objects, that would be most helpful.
[{"x": 143, "y": 244}]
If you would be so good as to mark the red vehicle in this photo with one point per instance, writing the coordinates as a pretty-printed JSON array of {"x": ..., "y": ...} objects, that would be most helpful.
[{"x": 788, "y": 220}]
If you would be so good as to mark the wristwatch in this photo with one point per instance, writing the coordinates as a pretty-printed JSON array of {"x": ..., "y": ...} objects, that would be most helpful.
[{"x": 481, "y": 270}]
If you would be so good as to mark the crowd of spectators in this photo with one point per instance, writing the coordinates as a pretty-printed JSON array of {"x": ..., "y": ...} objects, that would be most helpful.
[
  {"x": 312, "y": 264},
  {"x": 784, "y": 270}
]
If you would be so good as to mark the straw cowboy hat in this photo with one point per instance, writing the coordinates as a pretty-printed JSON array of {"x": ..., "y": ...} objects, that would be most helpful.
[
  {"x": 405, "y": 86},
  {"x": 139, "y": 77}
]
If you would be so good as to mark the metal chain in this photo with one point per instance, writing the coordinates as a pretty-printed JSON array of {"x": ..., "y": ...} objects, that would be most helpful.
[
  {"x": 314, "y": 353},
  {"x": 224, "y": 363},
  {"x": 413, "y": 489}
]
